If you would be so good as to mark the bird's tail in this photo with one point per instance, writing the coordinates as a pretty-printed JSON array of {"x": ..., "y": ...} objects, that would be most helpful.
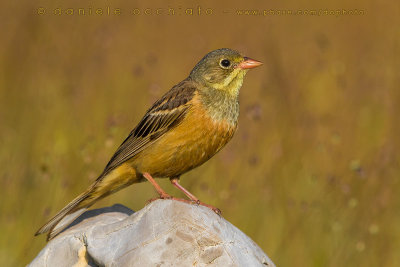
[
  {"x": 56, "y": 224},
  {"x": 104, "y": 186}
]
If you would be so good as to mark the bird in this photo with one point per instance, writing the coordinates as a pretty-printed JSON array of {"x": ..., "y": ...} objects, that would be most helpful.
[{"x": 187, "y": 126}]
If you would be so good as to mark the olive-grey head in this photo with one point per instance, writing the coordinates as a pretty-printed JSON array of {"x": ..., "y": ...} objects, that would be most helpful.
[
  {"x": 223, "y": 69},
  {"x": 219, "y": 76}
]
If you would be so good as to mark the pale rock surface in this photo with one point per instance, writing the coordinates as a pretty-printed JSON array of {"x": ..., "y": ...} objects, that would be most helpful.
[{"x": 164, "y": 233}]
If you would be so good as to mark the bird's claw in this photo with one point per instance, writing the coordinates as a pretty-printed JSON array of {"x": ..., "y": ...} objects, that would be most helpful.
[
  {"x": 162, "y": 196},
  {"x": 196, "y": 202},
  {"x": 165, "y": 196},
  {"x": 217, "y": 211}
]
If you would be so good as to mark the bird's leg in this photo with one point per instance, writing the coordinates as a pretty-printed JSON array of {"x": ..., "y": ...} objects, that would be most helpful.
[
  {"x": 160, "y": 191},
  {"x": 175, "y": 182},
  {"x": 156, "y": 186}
]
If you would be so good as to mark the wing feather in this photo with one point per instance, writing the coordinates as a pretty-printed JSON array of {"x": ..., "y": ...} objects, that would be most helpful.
[{"x": 164, "y": 115}]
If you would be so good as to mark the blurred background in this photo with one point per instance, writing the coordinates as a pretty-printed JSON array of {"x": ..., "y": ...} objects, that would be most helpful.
[{"x": 312, "y": 174}]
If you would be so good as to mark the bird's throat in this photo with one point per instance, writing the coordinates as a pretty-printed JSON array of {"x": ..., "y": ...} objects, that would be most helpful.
[
  {"x": 232, "y": 83},
  {"x": 220, "y": 105}
]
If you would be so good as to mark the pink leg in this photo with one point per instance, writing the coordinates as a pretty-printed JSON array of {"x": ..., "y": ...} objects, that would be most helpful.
[
  {"x": 156, "y": 186},
  {"x": 175, "y": 182},
  {"x": 160, "y": 191}
]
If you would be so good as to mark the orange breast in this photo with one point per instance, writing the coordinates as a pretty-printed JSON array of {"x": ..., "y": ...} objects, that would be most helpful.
[{"x": 196, "y": 139}]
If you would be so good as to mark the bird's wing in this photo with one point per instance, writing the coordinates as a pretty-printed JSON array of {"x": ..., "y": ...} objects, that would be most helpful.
[{"x": 164, "y": 115}]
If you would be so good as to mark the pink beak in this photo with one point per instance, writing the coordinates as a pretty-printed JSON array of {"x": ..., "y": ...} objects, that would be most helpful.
[{"x": 249, "y": 63}]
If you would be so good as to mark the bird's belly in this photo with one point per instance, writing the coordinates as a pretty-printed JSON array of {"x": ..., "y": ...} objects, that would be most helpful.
[{"x": 185, "y": 147}]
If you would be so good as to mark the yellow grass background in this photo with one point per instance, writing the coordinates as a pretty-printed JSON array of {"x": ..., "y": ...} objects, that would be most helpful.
[{"x": 312, "y": 175}]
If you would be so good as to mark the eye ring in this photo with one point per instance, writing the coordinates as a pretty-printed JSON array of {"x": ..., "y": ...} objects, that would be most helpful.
[{"x": 225, "y": 63}]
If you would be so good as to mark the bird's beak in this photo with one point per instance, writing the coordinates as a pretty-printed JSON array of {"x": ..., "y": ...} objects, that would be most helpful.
[{"x": 249, "y": 63}]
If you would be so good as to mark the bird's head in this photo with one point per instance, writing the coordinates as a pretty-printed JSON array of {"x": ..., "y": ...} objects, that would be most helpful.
[{"x": 223, "y": 69}]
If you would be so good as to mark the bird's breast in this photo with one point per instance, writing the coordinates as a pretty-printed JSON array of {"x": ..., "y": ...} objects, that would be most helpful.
[{"x": 196, "y": 139}]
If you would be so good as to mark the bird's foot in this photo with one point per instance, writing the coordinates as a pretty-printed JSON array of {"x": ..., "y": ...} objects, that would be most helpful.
[
  {"x": 170, "y": 198},
  {"x": 162, "y": 194},
  {"x": 215, "y": 209},
  {"x": 175, "y": 181},
  {"x": 194, "y": 200},
  {"x": 157, "y": 187}
]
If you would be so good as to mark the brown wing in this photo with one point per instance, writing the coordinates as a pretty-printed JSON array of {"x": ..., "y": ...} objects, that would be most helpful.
[{"x": 164, "y": 115}]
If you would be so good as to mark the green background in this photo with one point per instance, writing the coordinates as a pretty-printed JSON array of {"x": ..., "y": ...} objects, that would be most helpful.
[{"x": 312, "y": 174}]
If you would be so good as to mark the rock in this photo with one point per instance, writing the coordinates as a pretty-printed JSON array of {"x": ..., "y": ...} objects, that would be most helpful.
[{"x": 164, "y": 233}]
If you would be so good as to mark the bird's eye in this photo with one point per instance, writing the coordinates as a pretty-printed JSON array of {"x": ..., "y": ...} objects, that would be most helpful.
[{"x": 225, "y": 63}]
